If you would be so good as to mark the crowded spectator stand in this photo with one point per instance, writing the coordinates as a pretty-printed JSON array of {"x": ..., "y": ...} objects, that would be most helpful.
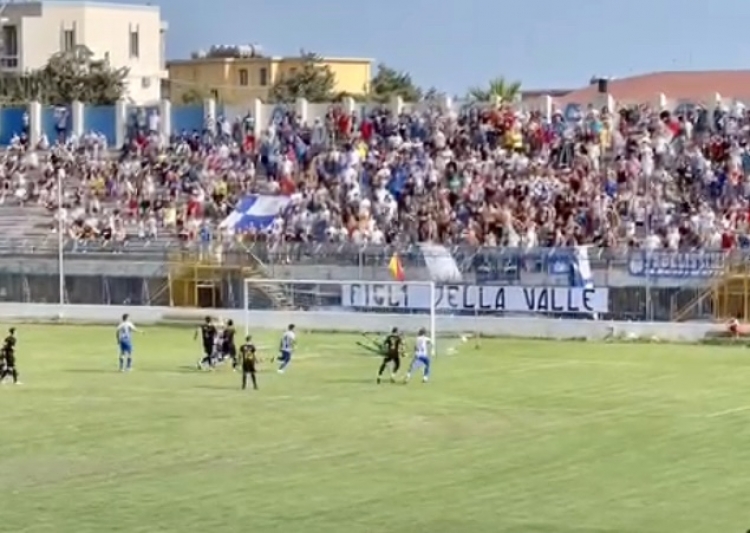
[{"x": 490, "y": 176}]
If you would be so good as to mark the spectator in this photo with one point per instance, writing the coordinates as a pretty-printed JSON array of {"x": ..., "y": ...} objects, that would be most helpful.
[{"x": 485, "y": 177}]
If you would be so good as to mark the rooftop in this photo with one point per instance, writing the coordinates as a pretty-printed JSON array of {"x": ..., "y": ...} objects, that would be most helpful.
[
  {"x": 277, "y": 59},
  {"x": 84, "y": 3},
  {"x": 686, "y": 86}
]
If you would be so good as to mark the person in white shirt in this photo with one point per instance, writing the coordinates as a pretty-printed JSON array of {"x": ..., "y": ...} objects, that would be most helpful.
[
  {"x": 286, "y": 347},
  {"x": 422, "y": 352},
  {"x": 124, "y": 336}
]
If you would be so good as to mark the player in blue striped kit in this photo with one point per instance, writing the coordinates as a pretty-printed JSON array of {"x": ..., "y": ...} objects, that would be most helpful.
[
  {"x": 422, "y": 349},
  {"x": 124, "y": 335},
  {"x": 286, "y": 347}
]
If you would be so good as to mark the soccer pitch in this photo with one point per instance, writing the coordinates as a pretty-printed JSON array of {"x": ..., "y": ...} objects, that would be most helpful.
[{"x": 516, "y": 436}]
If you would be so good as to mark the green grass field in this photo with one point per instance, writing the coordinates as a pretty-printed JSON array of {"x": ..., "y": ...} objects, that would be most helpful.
[{"x": 518, "y": 436}]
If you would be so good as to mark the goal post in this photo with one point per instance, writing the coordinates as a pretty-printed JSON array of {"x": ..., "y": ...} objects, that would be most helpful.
[{"x": 382, "y": 304}]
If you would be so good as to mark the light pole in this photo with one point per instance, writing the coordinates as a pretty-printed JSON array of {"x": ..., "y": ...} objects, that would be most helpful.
[{"x": 60, "y": 240}]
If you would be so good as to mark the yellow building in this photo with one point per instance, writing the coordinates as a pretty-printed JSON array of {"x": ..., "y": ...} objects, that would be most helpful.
[{"x": 237, "y": 74}]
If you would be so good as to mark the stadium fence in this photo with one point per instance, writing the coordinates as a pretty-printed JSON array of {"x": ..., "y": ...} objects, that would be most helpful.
[{"x": 139, "y": 274}]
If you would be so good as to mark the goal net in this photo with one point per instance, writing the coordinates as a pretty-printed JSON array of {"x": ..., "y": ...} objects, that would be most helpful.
[{"x": 346, "y": 306}]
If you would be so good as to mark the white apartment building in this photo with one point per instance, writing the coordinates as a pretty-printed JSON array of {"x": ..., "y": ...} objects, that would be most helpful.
[{"x": 132, "y": 36}]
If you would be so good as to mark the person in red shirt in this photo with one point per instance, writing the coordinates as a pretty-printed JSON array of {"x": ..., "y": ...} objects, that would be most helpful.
[
  {"x": 366, "y": 130},
  {"x": 345, "y": 125}
]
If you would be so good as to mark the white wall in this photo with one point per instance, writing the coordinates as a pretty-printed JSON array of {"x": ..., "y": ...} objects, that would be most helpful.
[
  {"x": 342, "y": 321},
  {"x": 103, "y": 28}
]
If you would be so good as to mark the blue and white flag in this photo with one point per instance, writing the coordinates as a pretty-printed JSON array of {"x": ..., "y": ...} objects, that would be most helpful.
[{"x": 255, "y": 211}]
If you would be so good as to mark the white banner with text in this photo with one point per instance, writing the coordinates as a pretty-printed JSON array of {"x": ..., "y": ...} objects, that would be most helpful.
[{"x": 484, "y": 298}]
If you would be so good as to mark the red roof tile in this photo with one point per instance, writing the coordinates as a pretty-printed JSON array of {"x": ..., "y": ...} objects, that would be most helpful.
[{"x": 694, "y": 87}]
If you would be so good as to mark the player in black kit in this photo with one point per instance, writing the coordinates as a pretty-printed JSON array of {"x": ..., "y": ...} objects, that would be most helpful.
[
  {"x": 208, "y": 334},
  {"x": 393, "y": 347},
  {"x": 228, "y": 348},
  {"x": 248, "y": 360},
  {"x": 8, "y": 356}
]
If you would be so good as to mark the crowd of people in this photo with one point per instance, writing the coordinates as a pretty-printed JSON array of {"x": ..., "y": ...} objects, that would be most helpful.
[{"x": 634, "y": 177}]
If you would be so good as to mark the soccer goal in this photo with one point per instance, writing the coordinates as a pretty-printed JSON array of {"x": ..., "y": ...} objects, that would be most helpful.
[{"x": 386, "y": 304}]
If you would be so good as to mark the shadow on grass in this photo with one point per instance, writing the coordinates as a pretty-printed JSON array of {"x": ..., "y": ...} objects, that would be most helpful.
[
  {"x": 208, "y": 386},
  {"x": 349, "y": 380}
]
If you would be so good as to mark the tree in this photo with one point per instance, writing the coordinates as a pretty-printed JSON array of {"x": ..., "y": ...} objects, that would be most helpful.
[
  {"x": 314, "y": 81},
  {"x": 500, "y": 87},
  {"x": 432, "y": 94},
  {"x": 341, "y": 96},
  {"x": 194, "y": 96},
  {"x": 389, "y": 82},
  {"x": 67, "y": 77}
]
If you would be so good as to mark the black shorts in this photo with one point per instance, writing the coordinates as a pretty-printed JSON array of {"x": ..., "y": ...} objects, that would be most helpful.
[
  {"x": 389, "y": 358},
  {"x": 208, "y": 349},
  {"x": 229, "y": 349},
  {"x": 248, "y": 368}
]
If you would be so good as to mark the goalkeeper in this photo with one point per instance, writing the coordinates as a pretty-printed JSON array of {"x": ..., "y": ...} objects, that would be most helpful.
[{"x": 392, "y": 349}]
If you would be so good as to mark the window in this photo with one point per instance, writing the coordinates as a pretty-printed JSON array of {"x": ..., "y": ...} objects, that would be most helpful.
[
  {"x": 69, "y": 40},
  {"x": 243, "y": 77},
  {"x": 135, "y": 49},
  {"x": 10, "y": 47},
  {"x": 145, "y": 82},
  {"x": 263, "y": 77}
]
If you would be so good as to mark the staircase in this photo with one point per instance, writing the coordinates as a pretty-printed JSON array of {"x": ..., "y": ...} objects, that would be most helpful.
[
  {"x": 727, "y": 297},
  {"x": 192, "y": 268},
  {"x": 272, "y": 291},
  {"x": 695, "y": 308},
  {"x": 732, "y": 295}
]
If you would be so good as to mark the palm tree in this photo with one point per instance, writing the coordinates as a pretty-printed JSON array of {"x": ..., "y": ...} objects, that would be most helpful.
[{"x": 497, "y": 87}]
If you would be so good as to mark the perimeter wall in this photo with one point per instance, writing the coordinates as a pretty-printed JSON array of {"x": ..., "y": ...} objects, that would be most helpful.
[{"x": 528, "y": 327}]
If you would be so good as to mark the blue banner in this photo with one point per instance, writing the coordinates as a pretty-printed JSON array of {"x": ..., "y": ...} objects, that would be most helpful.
[{"x": 676, "y": 264}]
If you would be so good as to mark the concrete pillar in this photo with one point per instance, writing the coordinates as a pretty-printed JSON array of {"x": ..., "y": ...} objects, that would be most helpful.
[
  {"x": 547, "y": 107},
  {"x": 77, "y": 119},
  {"x": 350, "y": 106},
  {"x": 165, "y": 119},
  {"x": 209, "y": 114},
  {"x": 662, "y": 103},
  {"x": 301, "y": 108},
  {"x": 397, "y": 105},
  {"x": 257, "y": 111},
  {"x": 35, "y": 123},
  {"x": 121, "y": 122}
]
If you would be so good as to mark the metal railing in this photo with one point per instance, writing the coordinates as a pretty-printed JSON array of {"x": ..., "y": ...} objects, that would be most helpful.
[{"x": 136, "y": 272}]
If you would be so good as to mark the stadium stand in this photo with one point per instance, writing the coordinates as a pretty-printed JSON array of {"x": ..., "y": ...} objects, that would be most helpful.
[{"x": 483, "y": 177}]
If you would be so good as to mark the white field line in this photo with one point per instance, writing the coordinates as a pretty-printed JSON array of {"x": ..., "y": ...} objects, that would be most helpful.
[{"x": 726, "y": 412}]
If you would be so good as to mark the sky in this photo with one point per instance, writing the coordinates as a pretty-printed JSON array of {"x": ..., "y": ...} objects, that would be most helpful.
[{"x": 455, "y": 44}]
